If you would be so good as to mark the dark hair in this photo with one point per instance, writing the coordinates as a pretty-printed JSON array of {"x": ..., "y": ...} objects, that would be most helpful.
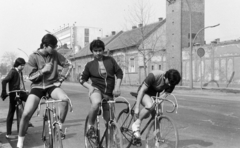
[
  {"x": 173, "y": 76},
  {"x": 97, "y": 44},
  {"x": 19, "y": 61},
  {"x": 48, "y": 39}
]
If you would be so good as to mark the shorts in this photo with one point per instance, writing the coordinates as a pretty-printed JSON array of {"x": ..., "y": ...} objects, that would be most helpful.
[
  {"x": 150, "y": 91},
  {"x": 39, "y": 92},
  {"x": 104, "y": 96},
  {"x": 23, "y": 96}
]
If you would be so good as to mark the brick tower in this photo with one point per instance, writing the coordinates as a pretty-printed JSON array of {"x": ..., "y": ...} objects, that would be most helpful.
[{"x": 178, "y": 28}]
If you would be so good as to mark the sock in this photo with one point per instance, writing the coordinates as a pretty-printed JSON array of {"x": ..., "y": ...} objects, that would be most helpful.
[
  {"x": 60, "y": 125},
  {"x": 20, "y": 141}
]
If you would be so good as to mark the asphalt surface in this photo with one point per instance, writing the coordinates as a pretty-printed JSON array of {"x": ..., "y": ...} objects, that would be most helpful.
[{"x": 202, "y": 116}]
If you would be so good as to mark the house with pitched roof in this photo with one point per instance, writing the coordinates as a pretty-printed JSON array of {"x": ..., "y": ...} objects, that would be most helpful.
[{"x": 137, "y": 51}]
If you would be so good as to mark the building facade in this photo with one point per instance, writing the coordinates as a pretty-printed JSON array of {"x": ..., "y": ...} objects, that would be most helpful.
[{"x": 76, "y": 37}]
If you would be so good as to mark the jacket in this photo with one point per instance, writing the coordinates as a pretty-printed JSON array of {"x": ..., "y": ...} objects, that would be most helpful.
[
  {"x": 43, "y": 80},
  {"x": 13, "y": 80},
  {"x": 105, "y": 85}
]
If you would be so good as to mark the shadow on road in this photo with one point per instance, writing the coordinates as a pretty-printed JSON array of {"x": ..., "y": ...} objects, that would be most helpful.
[{"x": 188, "y": 142}]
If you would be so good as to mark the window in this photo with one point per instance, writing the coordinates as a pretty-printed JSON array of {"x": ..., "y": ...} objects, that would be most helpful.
[
  {"x": 193, "y": 35},
  {"x": 159, "y": 67},
  {"x": 131, "y": 65},
  {"x": 86, "y": 36},
  {"x": 152, "y": 67}
]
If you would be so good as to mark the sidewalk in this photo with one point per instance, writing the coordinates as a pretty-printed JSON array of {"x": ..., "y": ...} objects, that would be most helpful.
[{"x": 3, "y": 115}]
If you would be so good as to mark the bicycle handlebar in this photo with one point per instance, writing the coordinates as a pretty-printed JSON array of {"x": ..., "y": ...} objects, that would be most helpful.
[
  {"x": 15, "y": 91},
  {"x": 174, "y": 104},
  {"x": 115, "y": 101},
  {"x": 53, "y": 101}
]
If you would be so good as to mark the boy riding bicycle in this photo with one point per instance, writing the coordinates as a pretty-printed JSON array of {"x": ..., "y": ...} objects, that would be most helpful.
[
  {"x": 156, "y": 81},
  {"x": 102, "y": 71},
  {"x": 44, "y": 73}
]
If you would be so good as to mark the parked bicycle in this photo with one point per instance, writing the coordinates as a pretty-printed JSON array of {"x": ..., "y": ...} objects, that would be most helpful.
[
  {"x": 161, "y": 132},
  {"x": 51, "y": 134},
  {"x": 19, "y": 105},
  {"x": 111, "y": 137}
]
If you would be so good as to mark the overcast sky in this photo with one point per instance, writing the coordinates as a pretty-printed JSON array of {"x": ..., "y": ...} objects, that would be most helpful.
[{"x": 23, "y": 22}]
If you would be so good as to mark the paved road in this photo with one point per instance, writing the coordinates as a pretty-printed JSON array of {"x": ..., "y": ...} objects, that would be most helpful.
[{"x": 204, "y": 119}]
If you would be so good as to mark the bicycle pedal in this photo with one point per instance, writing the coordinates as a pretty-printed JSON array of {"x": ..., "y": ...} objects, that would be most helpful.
[{"x": 137, "y": 141}]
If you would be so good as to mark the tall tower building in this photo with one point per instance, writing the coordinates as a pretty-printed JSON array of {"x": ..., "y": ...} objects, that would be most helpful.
[{"x": 178, "y": 28}]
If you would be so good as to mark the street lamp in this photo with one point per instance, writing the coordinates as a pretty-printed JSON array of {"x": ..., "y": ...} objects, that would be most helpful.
[
  {"x": 191, "y": 49},
  {"x": 55, "y": 36},
  {"x": 23, "y": 52}
]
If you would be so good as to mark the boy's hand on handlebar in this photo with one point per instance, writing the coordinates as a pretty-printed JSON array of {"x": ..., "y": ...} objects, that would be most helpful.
[{"x": 116, "y": 92}]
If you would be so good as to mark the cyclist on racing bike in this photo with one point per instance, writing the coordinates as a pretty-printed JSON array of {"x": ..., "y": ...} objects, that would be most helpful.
[
  {"x": 102, "y": 71},
  {"x": 15, "y": 82},
  {"x": 156, "y": 81},
  {"x": 44, "y": 72}
]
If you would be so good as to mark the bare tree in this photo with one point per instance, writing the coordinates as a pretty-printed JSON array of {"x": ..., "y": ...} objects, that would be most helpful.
[
  {"x": 8, "y": 58},
  {"x": 147, "y": 45}
]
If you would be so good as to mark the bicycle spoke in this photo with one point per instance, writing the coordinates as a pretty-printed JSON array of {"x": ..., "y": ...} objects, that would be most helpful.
[
  {"x": 57, "y": 137},
  {"x": 125, "y": 121},
  {"x": 115, "y": 136},
  {"x": 165, "y": 136}
]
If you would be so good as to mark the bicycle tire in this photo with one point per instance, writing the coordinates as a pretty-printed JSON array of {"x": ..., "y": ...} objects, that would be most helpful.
[
  {"x": 166, "y": 135},
  {"x": 47, "y": 130},
  {"x": 57, "y": 137},
  {"x": 115, "y": 136},
  {"x": 89, "y": 142},
  {"x": 125, "y": 121}
]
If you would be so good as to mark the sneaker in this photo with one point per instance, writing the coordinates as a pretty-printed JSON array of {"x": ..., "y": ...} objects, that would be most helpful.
[
  {"x": 11, "y": 136},
  {"x": 136, "y": 129},
  {"x": 91, "y": 132},
  {"x": 62, "y": 134}
]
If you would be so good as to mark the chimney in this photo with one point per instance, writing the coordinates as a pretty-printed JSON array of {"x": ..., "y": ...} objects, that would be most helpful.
[
  {"x": 113, "y": 32},
  {"x": 217, "y": 40},
  {"x": 134, "y": 27},
  {"x": 140, "y": 25},
  {"x": 160, "y": 19}
]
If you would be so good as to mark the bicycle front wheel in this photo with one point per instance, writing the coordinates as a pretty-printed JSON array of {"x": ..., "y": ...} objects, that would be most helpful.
[
  {"x": 47, "y": 130},
  {"x": 164, "y": 136},
  {"x": 57, "y": 137},
  {"x": 89, "y": 141},
  {"x": 115, "y": 136},
  {"x": 125, "y": 121}
]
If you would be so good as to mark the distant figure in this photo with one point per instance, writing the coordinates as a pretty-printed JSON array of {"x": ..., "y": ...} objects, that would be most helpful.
[{"x": 15, "y": 82}]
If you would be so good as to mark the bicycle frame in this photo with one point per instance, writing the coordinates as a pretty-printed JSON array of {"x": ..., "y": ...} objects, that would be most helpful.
[
  {"x": 158, "y": 111},
  {"x": 48, "y": 110},
  {"x": 19, "y": 105},
  {"x": 110, "y": 103}
]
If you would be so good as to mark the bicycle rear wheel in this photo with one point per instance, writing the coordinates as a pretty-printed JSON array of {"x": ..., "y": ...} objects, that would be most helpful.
[
  {"x": 47, "y": 130},
  {"x": 89, "y": 142},
  {"x": 125, "y": 121},
  {"x": 164, "y": 136},
  {"x": 57, "y": 137}
]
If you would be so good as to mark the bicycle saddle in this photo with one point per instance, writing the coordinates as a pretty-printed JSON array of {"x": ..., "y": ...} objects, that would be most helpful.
[{"x": 133, "y": 94}]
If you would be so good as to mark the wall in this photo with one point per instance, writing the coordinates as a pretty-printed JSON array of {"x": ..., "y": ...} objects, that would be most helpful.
[{"x": 218, "y": 64}]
